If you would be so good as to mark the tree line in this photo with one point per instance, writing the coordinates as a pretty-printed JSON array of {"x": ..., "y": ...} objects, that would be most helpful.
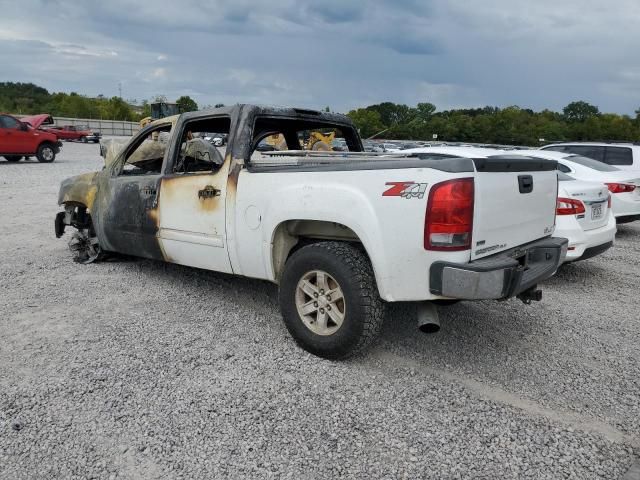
[
  {"x": 27, "y": 99},
  {"x": 510, "y": 126}
]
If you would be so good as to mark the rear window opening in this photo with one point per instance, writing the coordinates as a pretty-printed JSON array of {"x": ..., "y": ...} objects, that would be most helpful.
[{"x": 282, "y": 135}]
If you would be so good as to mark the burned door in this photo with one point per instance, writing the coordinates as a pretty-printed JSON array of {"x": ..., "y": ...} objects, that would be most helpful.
[{"x": 130, "y": 217}]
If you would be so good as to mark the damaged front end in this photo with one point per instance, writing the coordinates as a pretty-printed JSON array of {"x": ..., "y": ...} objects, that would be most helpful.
[{"x": 77, "y": 195}]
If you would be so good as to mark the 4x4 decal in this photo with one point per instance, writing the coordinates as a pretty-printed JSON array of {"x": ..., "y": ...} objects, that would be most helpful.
[{"x": 405, "y": 189}]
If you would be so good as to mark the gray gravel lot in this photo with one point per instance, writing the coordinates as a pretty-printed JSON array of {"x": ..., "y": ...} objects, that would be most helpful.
[{"x": 137, "y": 369}]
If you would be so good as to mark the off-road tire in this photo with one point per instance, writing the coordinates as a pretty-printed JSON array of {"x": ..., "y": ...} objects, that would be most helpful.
[
  {"x": 13, "y": 158},
  {"x": 42, "y": 154},
  {"x": 364, "y": 309}
]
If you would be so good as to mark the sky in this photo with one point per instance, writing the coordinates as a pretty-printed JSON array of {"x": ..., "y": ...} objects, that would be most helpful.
[{"x": 343, "y": 54}]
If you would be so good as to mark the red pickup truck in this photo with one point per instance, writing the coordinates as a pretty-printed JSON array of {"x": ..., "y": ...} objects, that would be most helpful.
[
  {"x": 24, "y": 138},
  {"x": 80, "y": 133}
]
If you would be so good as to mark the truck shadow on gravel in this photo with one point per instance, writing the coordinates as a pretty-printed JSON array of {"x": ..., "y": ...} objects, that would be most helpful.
[
  {"x": 580, "y": 273},
  {"x": 467, "y": 327},
  {"x": 472, "y": 333}
]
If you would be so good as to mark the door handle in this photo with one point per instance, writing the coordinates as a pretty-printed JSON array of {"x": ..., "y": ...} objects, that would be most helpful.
[
  {"x": 208, "y": 192},
  {"x": 525, "y": 183}
]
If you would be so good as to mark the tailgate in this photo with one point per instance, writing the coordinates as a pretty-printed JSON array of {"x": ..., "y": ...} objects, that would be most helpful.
[{"x": 515, "y": 203}]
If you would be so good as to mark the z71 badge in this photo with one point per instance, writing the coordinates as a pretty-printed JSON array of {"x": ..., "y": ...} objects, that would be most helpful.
[{"x": 405, "y": 189}]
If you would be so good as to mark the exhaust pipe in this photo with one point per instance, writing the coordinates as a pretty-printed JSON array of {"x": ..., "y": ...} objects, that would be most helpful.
[{"x": 428, "y": 320}]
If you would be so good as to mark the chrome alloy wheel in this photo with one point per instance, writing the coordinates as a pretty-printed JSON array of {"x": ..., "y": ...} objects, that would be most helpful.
[{"x": 320, "y": 302}]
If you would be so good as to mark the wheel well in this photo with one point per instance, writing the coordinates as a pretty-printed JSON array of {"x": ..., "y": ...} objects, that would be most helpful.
[
  {"x": 292, "y": 235},
  {"x": 77, "y": 215}
]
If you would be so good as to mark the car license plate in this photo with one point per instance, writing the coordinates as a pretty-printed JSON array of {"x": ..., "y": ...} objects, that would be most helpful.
[{"x": 596, "y": 211}]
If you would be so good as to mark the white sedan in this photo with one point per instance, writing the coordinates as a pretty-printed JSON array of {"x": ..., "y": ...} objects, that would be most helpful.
[
  {"x": 624, "y": 185},
  {"x": 583, "y": 210},
  {"x": 584, "y": 217}
]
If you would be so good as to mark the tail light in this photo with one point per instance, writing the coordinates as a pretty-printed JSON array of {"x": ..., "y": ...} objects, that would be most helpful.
[
  {"x": 569, "y": 206},
  {"x": 449, "y": 217},
  {"x": 620, "y": 187}
]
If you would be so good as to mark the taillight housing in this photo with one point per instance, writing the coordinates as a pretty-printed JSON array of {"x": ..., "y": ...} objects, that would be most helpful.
[
  {"x": 620, "y": 187},
  {"x": 569, "y": 206},
  {"x": 448, "y": 223}
]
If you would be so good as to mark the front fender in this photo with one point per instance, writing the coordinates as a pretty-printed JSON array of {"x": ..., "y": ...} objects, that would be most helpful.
[{"x": 81, "y": 189}]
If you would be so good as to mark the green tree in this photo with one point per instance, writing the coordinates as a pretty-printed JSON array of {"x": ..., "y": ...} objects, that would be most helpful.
[
  {"x": 186, "y": 104},
  {"x": 393, "y": 114},
  {"x": 367, "y": 121},
  {"x": 580, "y": 111},
  {"x": 425, "y": 110}
]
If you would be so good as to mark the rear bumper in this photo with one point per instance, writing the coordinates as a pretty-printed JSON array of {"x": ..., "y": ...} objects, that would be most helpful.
[
  {"x": 583, "y": 241},
  {"x": 499, "y": 276},
  {"x": 597, "y": 250}
]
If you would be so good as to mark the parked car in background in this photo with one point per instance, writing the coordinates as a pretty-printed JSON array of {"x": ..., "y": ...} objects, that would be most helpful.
[
  {"x": 390, "y": 147},
  {"x": 584, "y": 216},
  {"x": 216, "y": 139},
  {"x": 24, "y": 138},
  {"x": 373, "y": 147},
  {"x": 625, "y": 156},
  {"x": 339, "y": 145},
  {"x": 79, "y": 133},
  {"x": 624, "y": 185},
  {"x": 407, "y": 146},
  {"x": 583, "y": 209}
]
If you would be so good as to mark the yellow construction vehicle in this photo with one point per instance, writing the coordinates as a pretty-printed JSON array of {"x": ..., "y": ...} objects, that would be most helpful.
[
  {"x": 160, "y": 110},
  {"x": 319, "y": 141}
]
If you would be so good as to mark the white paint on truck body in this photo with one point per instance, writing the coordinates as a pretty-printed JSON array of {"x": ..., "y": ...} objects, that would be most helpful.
[{"x": 390, "y": 228}]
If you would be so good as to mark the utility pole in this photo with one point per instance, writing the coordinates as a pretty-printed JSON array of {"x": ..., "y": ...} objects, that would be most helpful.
[{"x": 120, "y": 89}]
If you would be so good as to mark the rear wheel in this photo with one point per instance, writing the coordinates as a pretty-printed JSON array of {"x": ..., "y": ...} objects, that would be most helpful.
[
  {"x": 13, "y": 158},
  {"x": 329, "y": 300},
  {"x": 46, "y": 153}
]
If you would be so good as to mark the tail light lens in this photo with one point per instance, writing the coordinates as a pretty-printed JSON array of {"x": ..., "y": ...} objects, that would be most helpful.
[
  {"x": 449, "y": 217},
  {"x": 569, "y": 206},
  {"x": 620, "y": 187}
]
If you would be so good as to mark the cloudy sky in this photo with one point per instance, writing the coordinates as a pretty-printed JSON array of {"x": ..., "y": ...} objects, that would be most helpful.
[{"x": 341, "y": 53}]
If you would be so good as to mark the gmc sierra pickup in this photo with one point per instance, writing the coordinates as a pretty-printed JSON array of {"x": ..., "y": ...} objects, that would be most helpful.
[{"x": 341, "y": 233}]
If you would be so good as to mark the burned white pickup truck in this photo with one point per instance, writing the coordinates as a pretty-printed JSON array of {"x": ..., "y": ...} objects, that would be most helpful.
[{"x": 341, "y": 233}]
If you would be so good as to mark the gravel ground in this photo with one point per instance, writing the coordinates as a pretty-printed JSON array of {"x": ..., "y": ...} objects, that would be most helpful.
[{"x": 137, "y": 369}]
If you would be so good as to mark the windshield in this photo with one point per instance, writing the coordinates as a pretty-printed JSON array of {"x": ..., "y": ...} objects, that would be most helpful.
[{"x": 591, "y": 163}]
